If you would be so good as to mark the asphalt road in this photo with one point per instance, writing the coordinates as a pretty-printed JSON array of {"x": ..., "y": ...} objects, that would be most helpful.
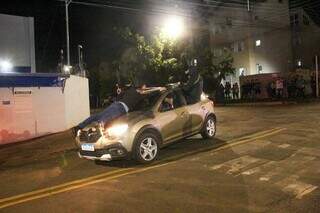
[{"x": 264, "y": 159}]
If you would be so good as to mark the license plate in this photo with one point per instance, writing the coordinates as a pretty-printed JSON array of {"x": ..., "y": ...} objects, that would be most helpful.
[{"x": 87, "y": 147}]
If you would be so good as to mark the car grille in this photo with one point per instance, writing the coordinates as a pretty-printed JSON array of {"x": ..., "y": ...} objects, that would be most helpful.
[{"x": 89, "y": 136}]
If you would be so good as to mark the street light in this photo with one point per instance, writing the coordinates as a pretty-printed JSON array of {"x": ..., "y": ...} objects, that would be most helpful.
[
  {"x": 67, "y": 2},
  {"x": 173, "y": 27},
  {"x": 5, "y": 66}
]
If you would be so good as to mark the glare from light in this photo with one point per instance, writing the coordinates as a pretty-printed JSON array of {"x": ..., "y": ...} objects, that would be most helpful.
[
  {"x": 6, "y": 66},
  {"x": 117, "y": 130},
  {"x": 204, "y": 96},
  {"x": 258, "y": 43},
  {"x": 299, "y": 63},
  {"x": 67, "y": 68},
  {"x": 173, "y": 27}
]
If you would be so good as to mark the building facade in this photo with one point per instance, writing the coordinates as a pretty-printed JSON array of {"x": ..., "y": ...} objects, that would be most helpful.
[
  {"x": 305, "y": 39},
  {"x": 17, "y": 46},
  {"x": 257, "y": 35}
]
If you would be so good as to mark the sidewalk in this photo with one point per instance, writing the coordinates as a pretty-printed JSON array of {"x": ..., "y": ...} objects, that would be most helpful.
[
  {"x": 267, "y": 102},
  {"x": 42, "y": 149}
]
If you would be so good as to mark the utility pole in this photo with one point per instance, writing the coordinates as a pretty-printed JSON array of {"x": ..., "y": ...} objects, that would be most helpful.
[
  {"x": 248, "y": 5},
  {"x": 67, "y": 2},
  {"x": 317, "y": 76}
]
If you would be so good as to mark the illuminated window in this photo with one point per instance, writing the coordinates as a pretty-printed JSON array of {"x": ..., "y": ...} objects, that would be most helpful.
[
  {"x": 259, "y": 68},
  {"x": 258, "y": 43},
  {"x": 242, "y": 71}
]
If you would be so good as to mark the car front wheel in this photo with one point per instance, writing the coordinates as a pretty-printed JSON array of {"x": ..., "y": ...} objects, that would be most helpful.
[
  {"x": 209, "y": 128},
  {"x": 146, "y": 148}
]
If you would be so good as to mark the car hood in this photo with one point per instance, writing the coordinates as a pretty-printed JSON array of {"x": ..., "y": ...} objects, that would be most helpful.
[{"x": 133, "y": 117}]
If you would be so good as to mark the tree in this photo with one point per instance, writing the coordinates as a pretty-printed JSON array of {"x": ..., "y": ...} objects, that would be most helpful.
[
  {"x": 158, "y": 59},
  {"x": 214, "y": 69}
]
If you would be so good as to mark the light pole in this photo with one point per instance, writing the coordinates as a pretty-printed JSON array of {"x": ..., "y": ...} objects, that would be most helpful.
[
  {"x": 67, "y": 2},
  {"x": 317, "y": 76}
]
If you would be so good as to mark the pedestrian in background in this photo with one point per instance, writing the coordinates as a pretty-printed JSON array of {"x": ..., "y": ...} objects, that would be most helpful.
[
  {"x": 257, "y": 88},
  {"x": 313, "y": 85},
  {"x": 273, "y": 89},
  {"x": 227, "y": 90},
  {"x": 235, "y": 91},
  {"x": 301, "y": 85},
  {"x": 279, "y": 88}
]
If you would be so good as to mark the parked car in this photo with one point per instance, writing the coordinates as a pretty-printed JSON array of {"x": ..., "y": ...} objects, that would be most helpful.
[{"x": 160, "y": 119}]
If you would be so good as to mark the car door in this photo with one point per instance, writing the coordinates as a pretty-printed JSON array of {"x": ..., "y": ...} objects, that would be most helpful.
[
  {"x": 172, "y": 120},
  {"x": 196, "y": 114}
]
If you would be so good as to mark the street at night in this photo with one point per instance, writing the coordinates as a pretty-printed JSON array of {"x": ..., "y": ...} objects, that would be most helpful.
[
  {"x": 263, "y": 159},
  {"x": 159, "y": 106}
]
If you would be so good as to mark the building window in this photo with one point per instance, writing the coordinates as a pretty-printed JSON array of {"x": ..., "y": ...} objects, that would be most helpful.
[
  {"x": 237, "y": 46},
  {"x": 306, "y": 20},
  {"x": 294, "y": 20},
  {"x": 258, "y": 43},
  {"x": 241, "y": 46},
  {"x": 259, "y": 68},
  {"x": 242, "y": 71},
  {"x": 229, "y": 21},
  {"x": 217, "y": 29},
  {"x": 217, "y": 52},
  {"x": 297, "y": 41}
]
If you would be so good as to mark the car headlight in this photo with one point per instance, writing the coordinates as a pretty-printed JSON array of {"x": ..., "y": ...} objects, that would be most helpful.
[
  {"x": 116, "y": 130},
  {"x": 203, "y": 96}
]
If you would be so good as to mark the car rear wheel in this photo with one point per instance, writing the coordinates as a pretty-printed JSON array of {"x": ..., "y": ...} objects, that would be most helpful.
[
  {"x": 209, "y": 128},
  {"x": 146, "y": 148}
]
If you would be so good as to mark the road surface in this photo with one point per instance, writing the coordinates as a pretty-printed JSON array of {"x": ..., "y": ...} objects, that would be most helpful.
[{"x": 264, "y": 159}]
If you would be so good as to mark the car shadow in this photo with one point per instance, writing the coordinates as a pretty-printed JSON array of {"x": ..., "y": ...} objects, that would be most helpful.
[{"x": 180, "y": 149}]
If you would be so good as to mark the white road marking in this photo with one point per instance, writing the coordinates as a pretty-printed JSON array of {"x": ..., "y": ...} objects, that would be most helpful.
[
  {"x": 264, "y": 178},
  {"x": 310, "y": 151},
  {"x": 236, "y": 165},
  {"x": 295, "y": 187},
  {"x": 251, "y": 171},
  {"x": 284, "y": 146}
]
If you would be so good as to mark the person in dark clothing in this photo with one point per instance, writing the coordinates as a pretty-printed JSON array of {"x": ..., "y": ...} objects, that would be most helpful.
[
  {"x": 194, "y": 86},
  {"x": 220, "y": 94},
  {"x": 235, "y": 91},
  {"x": 123, "y": 105},
  {"x": 227, "y": 90}
]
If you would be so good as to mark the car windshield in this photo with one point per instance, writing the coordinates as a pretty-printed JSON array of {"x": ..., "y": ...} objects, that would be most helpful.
[{"x": 148, "y": 101}]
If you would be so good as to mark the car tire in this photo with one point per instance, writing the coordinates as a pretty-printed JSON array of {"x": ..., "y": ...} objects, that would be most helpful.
[
  {"x": 146, "y": 148},
  {"x": 209, "y": 128}
]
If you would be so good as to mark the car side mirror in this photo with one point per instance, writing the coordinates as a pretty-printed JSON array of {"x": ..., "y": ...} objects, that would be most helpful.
[{"x": 165, "y": 106}]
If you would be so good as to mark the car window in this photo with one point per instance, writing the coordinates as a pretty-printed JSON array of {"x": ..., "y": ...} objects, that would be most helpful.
[
  {"x": 173, "y": 100},
  {"x": 148, "y": 101}
]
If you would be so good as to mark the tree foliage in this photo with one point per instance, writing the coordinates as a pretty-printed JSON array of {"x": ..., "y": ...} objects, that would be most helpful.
[{"x": 157, "y": 60}]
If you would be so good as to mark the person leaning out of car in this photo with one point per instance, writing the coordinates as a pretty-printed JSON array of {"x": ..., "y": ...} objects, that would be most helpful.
[
  {"x": 123, "y": 105},
  {"x": 194, "y": 86}
]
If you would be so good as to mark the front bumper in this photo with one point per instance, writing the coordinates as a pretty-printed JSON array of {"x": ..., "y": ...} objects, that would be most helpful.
[{"x": 108, "y": 153}]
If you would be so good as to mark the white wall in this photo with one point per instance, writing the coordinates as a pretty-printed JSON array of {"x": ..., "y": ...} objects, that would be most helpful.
[
  {"x": 46, "y": 110},
  {"x": 76, "y": 98},
  {"x": 17, "y": 40}
]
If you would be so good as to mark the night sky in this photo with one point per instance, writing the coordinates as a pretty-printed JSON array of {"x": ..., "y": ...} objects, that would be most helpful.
[{"x": 90, "y": 26}]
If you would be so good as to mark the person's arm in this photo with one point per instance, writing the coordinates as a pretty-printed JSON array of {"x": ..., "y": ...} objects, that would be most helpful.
[{"x": 194, "y": 78}]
